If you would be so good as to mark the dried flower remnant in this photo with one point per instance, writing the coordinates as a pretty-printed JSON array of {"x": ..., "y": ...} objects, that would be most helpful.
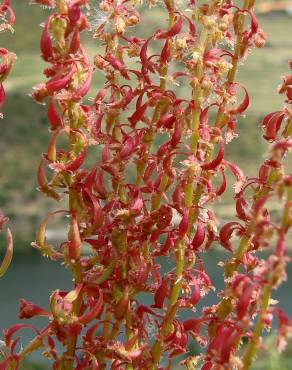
[{"x": 164, "y": 212}]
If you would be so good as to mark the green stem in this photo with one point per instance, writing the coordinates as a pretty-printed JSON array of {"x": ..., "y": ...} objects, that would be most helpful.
[
  {"x": 171, "y": 310},
  {"x": 189, "y": 189},
  {"x": 76, "y": 268},
  {"x": 253, "y": 344}
]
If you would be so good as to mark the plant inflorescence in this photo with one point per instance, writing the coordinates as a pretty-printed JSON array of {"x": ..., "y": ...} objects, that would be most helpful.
[
  {"x": 158, "y": 128},
  {"x": 7, "y": 20}
]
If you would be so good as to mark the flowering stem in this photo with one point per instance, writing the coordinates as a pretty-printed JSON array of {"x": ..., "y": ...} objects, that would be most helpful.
[
  {"x": 188, "y": 192},
  {"x": 247, "y": 4},
  {"x": 76, "y": 264},
  {"x": 253, "y": 344},
  {"x": 156, "y": 199},
  {"x": 231, "y": 74},
  {"x": 163, "y": 70},
  {"x": 34, "y": 345},
  {"x": 197, "y": 90},
  {"x": 131, "y": 225},
  {"x": 167, "y": 327},
  {"x": 252, "y": 347}
]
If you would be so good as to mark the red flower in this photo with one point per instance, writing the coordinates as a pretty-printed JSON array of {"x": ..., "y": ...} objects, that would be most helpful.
[{"x": 28, "y": 310}]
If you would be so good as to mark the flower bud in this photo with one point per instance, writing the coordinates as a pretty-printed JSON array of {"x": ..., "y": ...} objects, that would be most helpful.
[{"x": 28, "y": 310}]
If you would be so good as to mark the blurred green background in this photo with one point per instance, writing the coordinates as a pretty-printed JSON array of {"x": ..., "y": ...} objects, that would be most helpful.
[{"x": 24, "y": 135}]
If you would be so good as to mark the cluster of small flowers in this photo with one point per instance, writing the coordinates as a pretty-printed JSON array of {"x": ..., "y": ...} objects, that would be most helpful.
[
  {"x": 7, "y": 20},
  {"x": 244, "y": 310},
  {"x": 130, "y": 223}
]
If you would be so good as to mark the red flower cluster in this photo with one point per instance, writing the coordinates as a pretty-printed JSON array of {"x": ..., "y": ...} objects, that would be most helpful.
[
  {"x": 150, "y": 193},
  {"x": 7, "y": 19}
]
